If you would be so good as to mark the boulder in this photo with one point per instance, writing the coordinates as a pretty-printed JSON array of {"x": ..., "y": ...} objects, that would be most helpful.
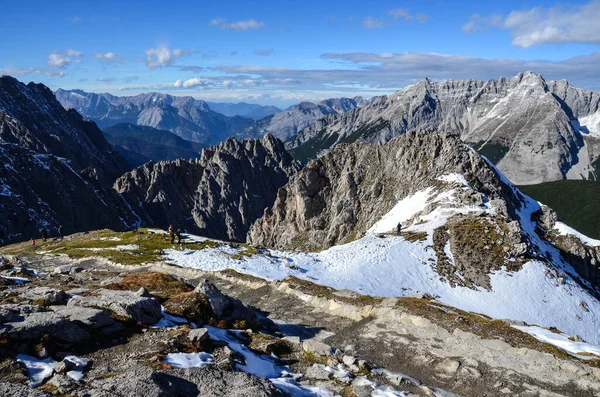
[
  {"x": 448, "y": 366},
  {"x": 46, "y": 296},
  {"x": 198, "y": 335},
  {"x": 86, "y": 317},
  {"x": 192, "y": 306},
  {"x": 218, "y": 300},
  {"x": 317, "y": 347},
  {"x": 35, "y": 325},
  {"x": 318, "y": 372},
  {"x": 124, "y": 306}
]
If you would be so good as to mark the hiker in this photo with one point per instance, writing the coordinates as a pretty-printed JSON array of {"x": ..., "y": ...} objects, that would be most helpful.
[
  {"x": 33, "y": 242},
  {"x": 171, "y": 234},
  {"x": 178, "y": 236},
  {"x": 44, "y": 235},
  {"x": 60, "y": 230},
  {"x": 398, "y": 227}
]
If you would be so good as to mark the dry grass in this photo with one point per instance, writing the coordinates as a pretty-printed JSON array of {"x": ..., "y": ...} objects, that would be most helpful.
[{"x": 159, "y": 284}]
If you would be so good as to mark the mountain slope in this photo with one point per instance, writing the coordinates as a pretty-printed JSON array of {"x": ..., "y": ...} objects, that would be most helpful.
[
  {"x": 189, "y": 118},
  {"x": 249, "y": 110},
  {"x": 31, "y": 117},
  {"x": 287, "y": 123},
  {"x": 139, "y": 144},
  {"x": 218, "y": 195},
  {"x": 524, "y": 124},
  {"x": 55, "y": 167}
]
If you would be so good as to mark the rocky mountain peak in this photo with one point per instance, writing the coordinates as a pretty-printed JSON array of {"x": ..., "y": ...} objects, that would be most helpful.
[{"x": 219, "y": 195}]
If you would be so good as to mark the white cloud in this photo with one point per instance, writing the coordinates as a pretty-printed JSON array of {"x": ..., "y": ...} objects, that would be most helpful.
[
  {"x": 58, "y": 60},
  {"x": 194, "y": 82},
  {"x": 249, "y": 24},
  {"x": 554, "y": 25},
  {"x": 372, "y": 23},
  {"x": 108, "y": 57},
  {"x": 73, "y": 53},
  {"x": 31, "y": 70},
  {"x": 162, "y": 56},
  {"x": 74, "y": 19}
]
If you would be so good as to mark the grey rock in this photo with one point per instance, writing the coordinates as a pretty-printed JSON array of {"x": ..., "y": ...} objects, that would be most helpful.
[
  {"x": 86, "y": 317},
  {"x": 218, "y": 300},
  {"x": 63, "y": 383},
  {"x": 50, "y": 296},
  {"x": 448, "y": 366},
  {"x": 123, "y": 304},
  {"x": 294, "y": 340},
  {"x": 74, "y": 363},
  {"x": 63, "y": 269},
  {"x": 316, "y": 347},
  {"x": 349, "y": 360},
  {"x": 139, "y": 381},
  {"x": 198, "y": 335},
  {"x": 35, "y": 325},
  {"x": 318, "y": 372},
  {"x": 18, "y": 390}
]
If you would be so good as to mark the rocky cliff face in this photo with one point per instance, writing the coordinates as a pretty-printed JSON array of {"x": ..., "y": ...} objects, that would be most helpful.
[
  {"x": 189, "y": 118},
  {"x": 55, "y": 168},
  {"x": 31, "y": 117},
  {"x": 530, "y": 128},
  {"x": 339, "y": 196},
  {"x": 218, "y": 195}
]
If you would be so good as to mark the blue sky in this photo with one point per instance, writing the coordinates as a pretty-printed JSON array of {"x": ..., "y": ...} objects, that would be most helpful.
[{"x": 275, "y": 52}]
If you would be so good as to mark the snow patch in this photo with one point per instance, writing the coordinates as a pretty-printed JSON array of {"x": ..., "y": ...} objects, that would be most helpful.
[
  {"x": 189, "y": 360},
  {"x": 402, "y": 211},
  {"x": 590, "y": 125},
  {"x": 581, "y": 350},
  {"x": 38, "y": 370},
  {"x": 564, "y": 230}
]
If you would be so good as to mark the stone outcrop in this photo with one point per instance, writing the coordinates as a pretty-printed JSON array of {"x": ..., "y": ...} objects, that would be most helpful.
[
  {"x": 218, "y": 195},
  {"x": 534, "y": 130}
]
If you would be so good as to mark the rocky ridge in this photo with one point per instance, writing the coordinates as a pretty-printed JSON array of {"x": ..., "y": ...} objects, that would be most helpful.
[
  {"x": 218, "y": 195},
  {"x": 533, "y": 129}
]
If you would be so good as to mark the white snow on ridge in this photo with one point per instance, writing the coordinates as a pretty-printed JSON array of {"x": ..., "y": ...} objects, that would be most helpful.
[
  {"x": 591, "y": 124},
  {"x": 563, "y": 229},
  {"x": 403, "y": 211}
]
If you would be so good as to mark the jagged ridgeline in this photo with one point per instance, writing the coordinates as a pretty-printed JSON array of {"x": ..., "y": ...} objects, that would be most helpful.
[
  {"x": 534, "y": 130},
  {"x": 55, "y": 168},
  {"x": 218, "y": 195}
]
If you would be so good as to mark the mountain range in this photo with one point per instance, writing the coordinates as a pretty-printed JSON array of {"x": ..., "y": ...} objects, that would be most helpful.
[
  {"x": 534, "y": 130},
  {"x": 189, "y": 118}
]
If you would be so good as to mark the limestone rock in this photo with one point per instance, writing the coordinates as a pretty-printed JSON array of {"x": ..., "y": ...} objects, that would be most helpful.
[
  {"x": 316, "y": 347},
  {"x": 124, "y": 305},
  {"x": 198, "y": 335}
]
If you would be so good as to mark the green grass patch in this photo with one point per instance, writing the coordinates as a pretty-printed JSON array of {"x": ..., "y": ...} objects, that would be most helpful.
[
  {"x": 575, "y": 203},
  {"x": 143, "y": 246}
]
